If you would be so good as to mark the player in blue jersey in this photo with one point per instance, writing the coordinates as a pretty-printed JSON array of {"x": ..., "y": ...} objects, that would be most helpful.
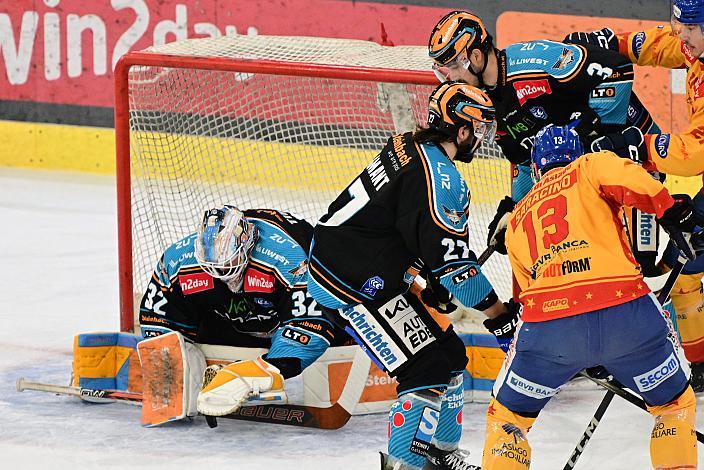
[
  {"x": 542, "y": 82},
  {"x": 409, "y": 206},
  {"x": 240, "y": 280}
]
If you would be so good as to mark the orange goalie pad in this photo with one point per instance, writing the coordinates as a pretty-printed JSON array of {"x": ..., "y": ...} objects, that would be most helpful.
[{"x": 162, "y": 361}]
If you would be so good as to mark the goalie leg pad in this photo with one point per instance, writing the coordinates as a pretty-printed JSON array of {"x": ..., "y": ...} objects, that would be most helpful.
[
  {"x": 172, "y": 369},
  {"x": 506, "y": 445},
  {"x": 413, "y": 420},
  {"x": 673, "y": 442},
  {"x": 449, "y": 432},
  {"x": 237, "y": 382},
  {"x": 102, "y": 360}
]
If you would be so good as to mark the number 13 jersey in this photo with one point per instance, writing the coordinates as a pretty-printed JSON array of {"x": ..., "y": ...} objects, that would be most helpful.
[
  {"x": 568, "y": 249},
  {"x": 410, "y": 203}
]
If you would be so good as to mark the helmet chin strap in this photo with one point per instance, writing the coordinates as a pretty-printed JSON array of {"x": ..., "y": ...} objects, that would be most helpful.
[{"x": 480, "y": 74}]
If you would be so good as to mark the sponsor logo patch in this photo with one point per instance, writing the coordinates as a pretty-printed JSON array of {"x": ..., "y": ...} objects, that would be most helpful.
[
  {"x": 553, "y": 305},
  {"x": 604, "y": 92},
  {"x": 539, "y": 112},
  {"x": 657, "y": 375},
  {"x": 372, "y": 285},
  {"x": 637, "y": 44},
  {"x": 662, "y": 144},
  {"x": 368, "y": 329},
  {"x": 531, "y": 89},
  {"x": 464, "y": 275},
  {"x": 257, "y": 281},
  {"x": 425, "y": 431},
  {"x": 263, "y": 302},
  {"x": 407, "y": 324},
  {"x": 192, "y": 283},
  {"x": 528, "y": 388},
  {"x": 295, "y": 335}
]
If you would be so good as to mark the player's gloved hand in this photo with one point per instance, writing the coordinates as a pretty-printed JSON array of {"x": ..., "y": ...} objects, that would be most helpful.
[
  {"x": 439, "y": 298},
  {"x": 628, "y": 143},
  {"x": 604, "y": 38},
  {"x": 497, "y": 227},
  {"x": 679, "y": 221},
  {"x": 504, "y": 326}
]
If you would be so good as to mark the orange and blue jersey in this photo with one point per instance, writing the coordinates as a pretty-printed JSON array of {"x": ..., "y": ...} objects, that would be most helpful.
[
  {"x": 676, "y": 154},
  {"x": 566, "y": 242}
]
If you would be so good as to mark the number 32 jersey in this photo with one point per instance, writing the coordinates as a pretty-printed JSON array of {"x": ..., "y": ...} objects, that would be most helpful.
[
  {"x": 409, "y": 204},
  {"x": 182, "y": 297},
  {"x": 566, "y": 242}
]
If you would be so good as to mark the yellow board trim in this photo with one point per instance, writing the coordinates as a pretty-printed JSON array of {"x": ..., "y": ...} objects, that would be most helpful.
[{"x": 92, "y": 150}]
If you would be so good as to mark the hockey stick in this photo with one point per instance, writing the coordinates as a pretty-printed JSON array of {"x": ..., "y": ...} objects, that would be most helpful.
[
  {"x": 332, "y": 417},
  {"x": 486, "y": 254},
  {"x": 616, "y": 388},
  {"x": 606, "y": 401}
]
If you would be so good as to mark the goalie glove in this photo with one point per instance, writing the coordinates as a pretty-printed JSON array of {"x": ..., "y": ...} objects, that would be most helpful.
[
  {"x": 497, "y": 228},
  {"x": 604, "y": 38},
  {"x": 628, "y": 143},
  {"x": 504, "y": 326}
]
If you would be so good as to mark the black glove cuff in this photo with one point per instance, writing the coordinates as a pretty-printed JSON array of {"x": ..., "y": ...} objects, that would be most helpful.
[{"x": 487, "y": 302}]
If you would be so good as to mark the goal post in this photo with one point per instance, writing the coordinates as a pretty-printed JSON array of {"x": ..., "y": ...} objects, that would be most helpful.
[{"x": 264, "y": 122}]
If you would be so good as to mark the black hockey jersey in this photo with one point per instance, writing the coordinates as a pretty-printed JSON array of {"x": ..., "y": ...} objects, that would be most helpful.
[
  {"x": 410, "y": 203},
  {"x": 182, "y": 297},
  {"x": 543, "y": 82}
]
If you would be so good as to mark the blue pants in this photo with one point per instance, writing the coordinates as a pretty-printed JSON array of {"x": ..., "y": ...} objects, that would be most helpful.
[{"x": 634, "y": 341}]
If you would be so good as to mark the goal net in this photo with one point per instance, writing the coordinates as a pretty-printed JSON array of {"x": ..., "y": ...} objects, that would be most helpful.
[{"x": 265, "y": 122}]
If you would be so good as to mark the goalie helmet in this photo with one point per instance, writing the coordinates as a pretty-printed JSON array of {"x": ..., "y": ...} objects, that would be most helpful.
[
  {"x": 554, "y": 146},
  {"x": 455, "y": 104},
  {"x": 223, "y": 243}
]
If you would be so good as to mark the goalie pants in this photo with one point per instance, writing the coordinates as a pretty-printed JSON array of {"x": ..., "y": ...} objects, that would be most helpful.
[{"x": 634, "y": 341}]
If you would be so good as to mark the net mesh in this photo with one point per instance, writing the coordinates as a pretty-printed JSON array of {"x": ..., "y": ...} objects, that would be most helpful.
[{"x": 202, "y": 138}]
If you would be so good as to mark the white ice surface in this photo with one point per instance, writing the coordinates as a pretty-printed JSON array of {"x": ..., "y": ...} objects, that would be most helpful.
[{"x": 60, "y": 278}]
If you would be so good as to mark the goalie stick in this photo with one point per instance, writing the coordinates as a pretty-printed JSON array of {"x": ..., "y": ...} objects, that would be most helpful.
[
  {"x": 332, "y": 417},
  {"x": 613, "y": 389}
]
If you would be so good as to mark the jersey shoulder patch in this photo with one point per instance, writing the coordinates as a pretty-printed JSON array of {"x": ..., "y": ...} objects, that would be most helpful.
[
  {"x": 447, "y": 191},
  {"x": 279, "y": 253},
  {"x": 554, "y": 59},
  {"x": 177, "y": 257}
]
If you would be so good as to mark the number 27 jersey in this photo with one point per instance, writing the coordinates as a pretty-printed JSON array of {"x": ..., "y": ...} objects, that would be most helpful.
[{"x": 566, "y": 242}]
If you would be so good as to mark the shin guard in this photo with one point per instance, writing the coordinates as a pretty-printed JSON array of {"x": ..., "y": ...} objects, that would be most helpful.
[
  {"x": 449, "y": 432},
  {"x": 673, "y": 442},
  {"x": 506, "y": 446},
  {"x": 413, "y": 420}
]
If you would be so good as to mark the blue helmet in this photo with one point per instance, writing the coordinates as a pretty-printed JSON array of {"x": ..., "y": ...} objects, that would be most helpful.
[
  {"x": 688, "y": 11},
  {"x": 554, "y": 146}
]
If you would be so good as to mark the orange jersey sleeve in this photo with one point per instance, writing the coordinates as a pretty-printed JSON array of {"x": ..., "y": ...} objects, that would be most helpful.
[
  {"x": 676, "y": 154},
  {"x": 566, "y": 242}
]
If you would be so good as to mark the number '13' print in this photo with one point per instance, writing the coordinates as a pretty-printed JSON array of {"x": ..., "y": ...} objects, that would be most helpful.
[{"x": 551, "y": 217}]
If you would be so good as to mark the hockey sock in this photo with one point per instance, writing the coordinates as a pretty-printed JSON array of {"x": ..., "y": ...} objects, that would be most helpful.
[
  {"x": 687, "y": 300},
  {"x": 413, "y": 419},
  {"x": 506, "y": 446},
  {"x": 449, "y": 432},
  {"x": 673, "y": 443}
]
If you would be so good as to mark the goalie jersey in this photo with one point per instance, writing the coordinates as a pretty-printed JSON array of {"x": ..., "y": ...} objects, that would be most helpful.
[
  {"x": 410, "y": 203},
  {"x": 182, "y": 297},
  {"x": 565, "y": 264}
]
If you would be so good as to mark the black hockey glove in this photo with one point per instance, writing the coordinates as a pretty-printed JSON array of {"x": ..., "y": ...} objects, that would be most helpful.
[
  {"x": 628, "y": 143},
  {"x": 679, "y": 221},
  {"x": 504, "y": 326},
  {"x": 497, "y": 227},
  {"x": 437, "y": 297},
  {"x": 604, "y": 38}
]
